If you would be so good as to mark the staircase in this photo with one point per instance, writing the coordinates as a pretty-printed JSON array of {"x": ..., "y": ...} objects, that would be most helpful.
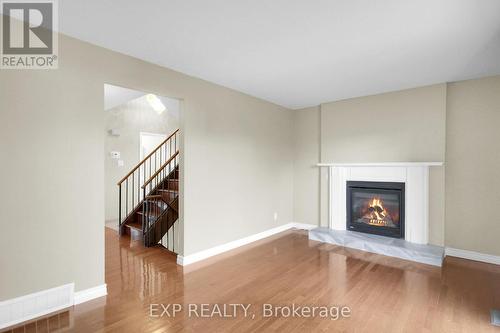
[{"x": 149, "y": 196}]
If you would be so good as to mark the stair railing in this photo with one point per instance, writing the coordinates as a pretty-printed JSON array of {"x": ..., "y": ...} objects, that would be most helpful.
[
  {"x": 155, "y": 206},
  {"x": 130, "y": 191}
]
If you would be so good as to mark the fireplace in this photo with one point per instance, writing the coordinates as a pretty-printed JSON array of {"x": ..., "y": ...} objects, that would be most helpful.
[{"x": 376, "y": 208}]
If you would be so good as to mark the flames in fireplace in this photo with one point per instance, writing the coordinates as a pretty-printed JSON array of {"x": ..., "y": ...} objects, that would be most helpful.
[
  {"x": 376, "y": 214},
  {"x": 375, "y": 208}
]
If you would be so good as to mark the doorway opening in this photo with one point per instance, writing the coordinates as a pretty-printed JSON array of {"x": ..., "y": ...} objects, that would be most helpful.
[{"x": 142, "y": 158}]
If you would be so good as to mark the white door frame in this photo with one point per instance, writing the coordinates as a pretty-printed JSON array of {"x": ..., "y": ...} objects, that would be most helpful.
[{"x": 141, "y": 134}]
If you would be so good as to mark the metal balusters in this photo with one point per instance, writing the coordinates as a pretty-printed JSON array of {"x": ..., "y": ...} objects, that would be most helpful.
[
  {"x": 144, "y": 212},
  {"x": 139, "y": 187},
  {"x": 120, "y": 210},
  {"x": 126, "y": 196},
  {"x": 146, "y": 179}
]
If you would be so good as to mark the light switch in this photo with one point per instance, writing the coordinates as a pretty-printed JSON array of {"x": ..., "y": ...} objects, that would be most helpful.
[{"x": 120, "y": 163}]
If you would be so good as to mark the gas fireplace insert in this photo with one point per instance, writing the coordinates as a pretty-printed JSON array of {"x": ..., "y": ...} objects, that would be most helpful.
[{"x": 376, "y": 208}]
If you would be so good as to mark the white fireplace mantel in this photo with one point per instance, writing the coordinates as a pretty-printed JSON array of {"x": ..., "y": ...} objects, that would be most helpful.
[{"x": 415, "y": 175}]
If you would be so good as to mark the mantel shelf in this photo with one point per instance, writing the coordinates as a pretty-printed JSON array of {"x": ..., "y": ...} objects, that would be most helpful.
[{"x": 383, "y": 164}]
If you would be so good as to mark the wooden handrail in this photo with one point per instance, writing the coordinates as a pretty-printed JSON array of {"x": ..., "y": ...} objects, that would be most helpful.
[
  {"x": 145, "y": 158},
  {"x": 160, "y": 170},
  {"x": 156, "y": 196}
]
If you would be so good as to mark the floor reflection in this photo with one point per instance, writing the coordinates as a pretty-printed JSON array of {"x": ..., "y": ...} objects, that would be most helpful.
[{"x": 385, "y": 294}]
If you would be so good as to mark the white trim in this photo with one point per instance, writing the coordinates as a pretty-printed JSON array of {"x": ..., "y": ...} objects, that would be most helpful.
[
  {"x": 24, "y": 308},
  {"x": 471, "y": 255},
  {"x": 180, "y": 260},
  {"x": 89, "y": 294},
  {"x": 303, "y": 226},
  {"x": 416, "y": 179},
  {"x": 201, "y": 255},
  {"x": 384, "y": 164}
]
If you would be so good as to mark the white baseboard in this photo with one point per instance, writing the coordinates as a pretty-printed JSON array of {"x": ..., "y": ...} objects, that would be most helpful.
[
  {"x": 471, "y": 255},
  {"x": 31, "y": 306},
  {"x": 91, "y": 293},
  {"x": 198, "y": 256},
  {"x": 303, "y": 226}
]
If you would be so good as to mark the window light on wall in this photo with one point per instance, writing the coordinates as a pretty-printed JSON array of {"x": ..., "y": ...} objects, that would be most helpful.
[{"x": 155, "y": 103}]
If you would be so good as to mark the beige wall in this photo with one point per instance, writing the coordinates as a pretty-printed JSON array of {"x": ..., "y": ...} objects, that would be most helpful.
[
  {"x": 400, "y": 126},
  {"x": 52, "y": 198},
  {"x": 237, "y": 158},
  {"x": 238, "y": 167},
  {"x": 456, "y": 123},
  {"x": 51, "y": 143},
  {"x": 306, "y": 129},
  {"x": 130, "y": 119},
  {"x": 473, "y": 165}
]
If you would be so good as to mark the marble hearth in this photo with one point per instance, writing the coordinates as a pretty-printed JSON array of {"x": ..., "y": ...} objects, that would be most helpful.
[{"x": 399, "y": 248}]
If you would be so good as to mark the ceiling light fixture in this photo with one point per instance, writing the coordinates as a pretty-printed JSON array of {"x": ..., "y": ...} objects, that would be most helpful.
[{"x": 155, "y": 103}]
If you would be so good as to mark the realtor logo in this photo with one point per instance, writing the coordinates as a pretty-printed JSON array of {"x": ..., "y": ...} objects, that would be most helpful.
[{"x": 29, "y": 34}]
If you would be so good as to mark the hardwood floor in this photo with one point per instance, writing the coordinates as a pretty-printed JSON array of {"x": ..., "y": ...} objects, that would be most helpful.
[{"x": 384, "y": 294}]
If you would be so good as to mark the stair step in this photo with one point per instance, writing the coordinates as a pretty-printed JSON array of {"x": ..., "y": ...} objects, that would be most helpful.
[
  {"x": 173, "y": 207},
  {"x": 156, "y": 201},
  {"x": 134, "y": 230},
  {"x": 168, "y": 196},
  {"x": 171, "y": 184},
  {"x": 134, "y": 225},
  {"x": 166, "y": 190},
  {"x": 155, "y": 213}
]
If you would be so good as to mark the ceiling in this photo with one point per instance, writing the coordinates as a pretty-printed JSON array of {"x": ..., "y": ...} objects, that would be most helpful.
[
  {"x": 115, "y": 96},
  {"x": 304, "y": 52}
]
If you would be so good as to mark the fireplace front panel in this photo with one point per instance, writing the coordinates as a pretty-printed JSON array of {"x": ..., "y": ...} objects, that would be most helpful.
[{"x": 376, "y": 208}]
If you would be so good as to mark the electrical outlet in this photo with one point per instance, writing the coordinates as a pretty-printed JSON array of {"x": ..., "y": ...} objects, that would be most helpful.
[{"x": 275, "y": 216}]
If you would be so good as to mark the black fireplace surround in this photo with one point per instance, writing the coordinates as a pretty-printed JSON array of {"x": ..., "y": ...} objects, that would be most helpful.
[{"x": 376, "y": 208}]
